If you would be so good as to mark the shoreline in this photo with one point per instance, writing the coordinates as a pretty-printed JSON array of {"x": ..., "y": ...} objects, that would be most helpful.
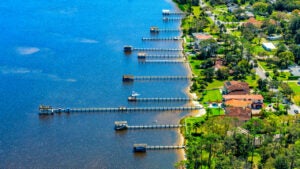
[{"x": 181, "y": 138}]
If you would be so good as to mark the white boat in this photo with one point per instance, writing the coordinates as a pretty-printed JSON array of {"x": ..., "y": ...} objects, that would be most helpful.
[{"x": 134, "y": 94}]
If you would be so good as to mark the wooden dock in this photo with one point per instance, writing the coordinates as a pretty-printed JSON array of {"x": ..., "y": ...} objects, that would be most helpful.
[
  {"x": 128, "y": 49},
  {"x": 161, "y": 61},
  {"x": 143, "y": 55},
  {"x": 168, "y": 12},
  {"x": 155, "y": 29},
  {"x": 123, "y": 125},
  {"x": 157, "y": 49},
  {"x": 145, "y": 147},
  {"x": 52, "y": 111},
  {"x": 166, "y": 19},
  {"x": 131, "y": 78},
  {"x": 162, "y": 56},
  {"x": 162, "y": 39},
  {"x": 158, "y": 99}
]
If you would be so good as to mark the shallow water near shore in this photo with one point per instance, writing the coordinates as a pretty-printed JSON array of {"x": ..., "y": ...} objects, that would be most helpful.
[{"x": 70, "y": 54}]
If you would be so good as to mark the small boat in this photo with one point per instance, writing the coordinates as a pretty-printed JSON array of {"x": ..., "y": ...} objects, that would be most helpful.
[{"x": 134, "y": 94}]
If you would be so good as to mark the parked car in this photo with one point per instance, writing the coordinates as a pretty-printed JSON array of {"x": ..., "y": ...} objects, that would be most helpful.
[{"x": 296, "y": 111}]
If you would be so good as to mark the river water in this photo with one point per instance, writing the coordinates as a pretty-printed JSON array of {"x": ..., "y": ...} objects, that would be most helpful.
[{"x": 70, "y": 54}]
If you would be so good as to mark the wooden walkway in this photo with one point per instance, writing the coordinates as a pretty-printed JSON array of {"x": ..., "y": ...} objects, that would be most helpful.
[
  {"x": 161, "y": 61},
  {"x": 157, "y": 49},
  {"x": 52, "y": 111},
  {"x": 166, "y": 19},
  {"x": 123, "y": 125},
  {"x": 145, "y": 147},
  {"x": 164, "y": 56},
  {"x": 162, "y": 39},
  {"x": 158, "y": 99}
]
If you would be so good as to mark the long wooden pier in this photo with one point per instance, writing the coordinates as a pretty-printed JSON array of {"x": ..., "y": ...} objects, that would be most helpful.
[
  {"x": 131, "y": 78},
  {"x": 123, "y": 125},
  {"x": 143, "y": 55},
  {"x": 155, "y": 29},
  {"x": 166, "y": 19},
  {"x": 158, "y": 99},
  {"x": 51, "y": 111},
  {"x": 129, "y": 49},
  {"x": 161, "y": 61},
  {"x": 157, "y": 49},
  {"x": 168, "y": 12},
  {"x": 145, "y": 147},
  {"x": 163, "y": 56},
  {"x": 162, "y": 39}
]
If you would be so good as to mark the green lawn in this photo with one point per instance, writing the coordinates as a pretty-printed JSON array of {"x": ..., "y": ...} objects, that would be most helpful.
[
  {"x": 195, "y": 66},
  {"x": 258, "y": 49},
  {"x": 252, "y": 82},
  {"x": 266, "y": 67},
  {"x": 217, "y": 111},
  {"x": 212, "y": 96},
  {"x": 282, "y": 75},
  {"x": 196, "y": 11},
  {"x": 296, "y": 88},
  {"x": 215, "y": 84}
]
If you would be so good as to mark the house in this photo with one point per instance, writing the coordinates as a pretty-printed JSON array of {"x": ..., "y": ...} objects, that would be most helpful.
[
  {"x": 295, "y": 70},
  {"x": 242, "y": 114},
  {"x": 254, "y": 22},
  {"x": 200, "y": 37},
  {"x": 269, "y": 46},
  {"x": 236, "y": 88},
  {"x": 249, "y": 14},
  {"x": 232, "y": 7},
  {"x": 238, "y": 103},
  {"x": 219, "y": 63},
  {"x": 256, "y": 99},
  {"x": 274, "y": 37}
]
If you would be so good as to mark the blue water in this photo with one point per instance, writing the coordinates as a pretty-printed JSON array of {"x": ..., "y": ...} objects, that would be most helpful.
[{"x": 70, "y": 54}]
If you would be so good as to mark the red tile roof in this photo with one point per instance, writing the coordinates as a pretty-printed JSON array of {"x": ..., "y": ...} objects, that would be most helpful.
[
  {"x": 237, "y": 103},
  {"x": 242, "y": 114},
  {"x": 203, "y": 36},
  {"x": 244, "y": 97},
  {"x": 236, "y": 86}
]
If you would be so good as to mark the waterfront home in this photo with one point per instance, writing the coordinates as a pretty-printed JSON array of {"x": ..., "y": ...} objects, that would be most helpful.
[
  {"x": 198, "y": 37},
  {"x": 236, "y": 88},
  {"x": 238, "y": 103},
  {"x": 256, "y": 99},
  {"x": 268, "y": 46},
  {"x": 242, "y": 114}
]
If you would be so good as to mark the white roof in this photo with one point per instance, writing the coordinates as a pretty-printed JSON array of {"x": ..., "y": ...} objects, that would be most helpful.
[{"x": 269, "y": 45}]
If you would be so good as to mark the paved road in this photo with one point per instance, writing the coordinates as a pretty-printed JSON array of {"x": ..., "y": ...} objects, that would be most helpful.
[
  {"x": 292, "y": 109},
  {"x": 259, "y": 71}
]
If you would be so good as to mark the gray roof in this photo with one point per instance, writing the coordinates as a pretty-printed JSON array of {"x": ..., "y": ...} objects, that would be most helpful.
[{"x": 295, "y": 70}]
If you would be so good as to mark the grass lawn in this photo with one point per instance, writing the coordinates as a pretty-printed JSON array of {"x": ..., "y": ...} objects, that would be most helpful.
[
  {"x": 252, "y": 82},
  {"x": 217, "y": 111},
  {"x": 196, "y": 11},
  {"x": 258, "y": 49},
  {"x": 296, "y": 88},
  {"x": 282, "y": 75},
  {"x": 212, "y": 96},
  {"x": 260, "y": 18},
  {"x": 215, "y": 84},
  {"x": 266, "y": 67},
  {"x": 195, "y": 66},
  {"x": 236, "y": 33}
]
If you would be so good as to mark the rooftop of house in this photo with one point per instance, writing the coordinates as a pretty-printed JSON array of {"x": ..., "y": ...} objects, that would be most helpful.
[
  {"x": 242, "y": 114},
  {"x": 202, "y": 36},
  {"x": 295, "y": 70},
  {"x": 237, "y": 103},
  {"x": 236, "y": 85},
  {"x": 244, "y": 97},
  {"x": 269, "y": 45},
  {"x": 255, "y": 22}
]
